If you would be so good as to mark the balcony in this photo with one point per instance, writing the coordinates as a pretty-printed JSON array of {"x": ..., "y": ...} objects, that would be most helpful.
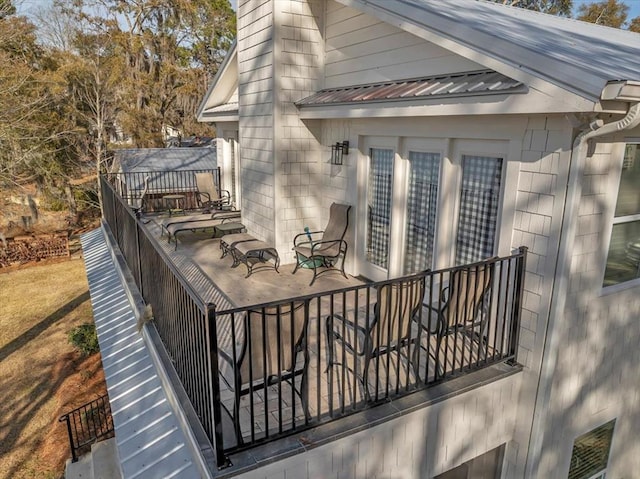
[{"x": 267, "y": 357}]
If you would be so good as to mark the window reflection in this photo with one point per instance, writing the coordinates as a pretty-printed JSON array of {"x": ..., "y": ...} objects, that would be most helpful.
[{"x": 623, "y": 259}]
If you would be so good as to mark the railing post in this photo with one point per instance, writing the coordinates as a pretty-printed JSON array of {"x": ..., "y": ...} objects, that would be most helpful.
[
  {"x": 219, "y": 182},
  {"x": 74, "y": 458},
  {"x": 216, "y": 405},
  {"x": 517, "y": 304},
  {"x": 139, "y": 257}
]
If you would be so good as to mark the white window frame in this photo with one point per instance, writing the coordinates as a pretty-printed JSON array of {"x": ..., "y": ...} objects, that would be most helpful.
[{"x": 614, "y": 185}]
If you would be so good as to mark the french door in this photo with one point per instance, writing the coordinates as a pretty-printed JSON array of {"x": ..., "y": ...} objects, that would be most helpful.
[
  {"x": 412, "y": 223},
  {"x": 401, "y": 209}
]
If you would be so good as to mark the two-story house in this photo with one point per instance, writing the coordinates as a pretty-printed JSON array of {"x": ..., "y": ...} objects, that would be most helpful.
[{"x": 457, "y": 130}]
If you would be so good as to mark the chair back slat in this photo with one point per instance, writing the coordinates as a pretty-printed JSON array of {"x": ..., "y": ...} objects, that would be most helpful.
[
  {"x": 396, "y": 306},
  {"x": 268, "y": 337}
]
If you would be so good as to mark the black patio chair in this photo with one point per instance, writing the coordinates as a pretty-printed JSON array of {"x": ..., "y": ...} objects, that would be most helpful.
[
  {"x": 329, "y": 248},
  {"x": 266, "y": 353},
  {"x": 388, "y": 331}
]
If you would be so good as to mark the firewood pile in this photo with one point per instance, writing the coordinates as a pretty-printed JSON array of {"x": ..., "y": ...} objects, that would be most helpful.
[{"x": 24, "y": 249}]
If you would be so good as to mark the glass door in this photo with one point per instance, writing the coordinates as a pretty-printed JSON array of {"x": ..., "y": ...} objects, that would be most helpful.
[
  {"x": 423, "y": 207},
  {"x": 378, "y": 214},
  {"x": 420, "y": 210},
  {"x": 401, "y": 205}
]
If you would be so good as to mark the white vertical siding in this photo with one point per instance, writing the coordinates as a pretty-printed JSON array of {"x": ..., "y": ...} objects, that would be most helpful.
[
  {"x": 255, "y": 88},
  {"x": 361, "y": 49},
  {"x": 300, "y": 53}
]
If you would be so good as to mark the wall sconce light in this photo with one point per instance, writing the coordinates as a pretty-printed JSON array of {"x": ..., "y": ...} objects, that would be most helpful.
[{"x": 338, "y": 151}]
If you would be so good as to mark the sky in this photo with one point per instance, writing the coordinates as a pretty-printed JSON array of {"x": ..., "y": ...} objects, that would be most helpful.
[{"x": 634, "y": 6}]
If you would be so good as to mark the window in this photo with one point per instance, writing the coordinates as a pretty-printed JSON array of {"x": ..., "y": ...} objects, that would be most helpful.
[
  {"x": 422, "y": 199},
  {"x": 479, "y": 198},
  {"x": 485, "y": 466},
  {"x": 427, "y": 203},
  {"x": 591, "y": 453},
  {"x": 623, "y": 259},
  {"x": 379, "y": 206}
]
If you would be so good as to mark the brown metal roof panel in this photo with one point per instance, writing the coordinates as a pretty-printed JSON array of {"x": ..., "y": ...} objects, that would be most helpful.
[
  {"x": 415, "y": 87},
  {"x": 381, "y": 92},
  {"x": 456, "y": 84}
]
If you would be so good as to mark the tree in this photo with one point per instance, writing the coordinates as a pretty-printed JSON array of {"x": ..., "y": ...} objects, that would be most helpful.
[
  {"x": 553, "y": 7},
  {"x": 610, "y": 13},
  {"x": 92, "y": 77},
  {"x": 33, "y": 127},
  {"x": 167, "y": 49}
]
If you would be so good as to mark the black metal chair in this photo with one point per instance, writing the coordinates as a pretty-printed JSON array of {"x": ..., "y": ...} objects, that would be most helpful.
[
  {"x": 266, "y": 353},
  {"x": 462, "y": 308},
  {"x": 209, "y": 196},
  {"x": 324, "y": 252},
  {"x": 388, "y": 331}
]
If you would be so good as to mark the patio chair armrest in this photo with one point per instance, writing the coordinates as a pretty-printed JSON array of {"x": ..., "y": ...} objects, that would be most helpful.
[
  {"x": 325, "y": 244},
  {"x": 228, "y": 364},
  {"x": 444, "y": 294},
  {"x": 200, "y": 194},
  {"x": 440, "y": 326},
  {"x": 337, "y": 333},
  {"x": 297, "y": 242}
]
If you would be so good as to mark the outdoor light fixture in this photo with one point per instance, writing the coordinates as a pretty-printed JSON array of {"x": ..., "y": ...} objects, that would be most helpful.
[{"x": 338, "y": 151}]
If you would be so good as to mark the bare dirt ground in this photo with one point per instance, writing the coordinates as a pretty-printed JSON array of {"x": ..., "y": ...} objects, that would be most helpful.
[{"x": 41, "y": 375}]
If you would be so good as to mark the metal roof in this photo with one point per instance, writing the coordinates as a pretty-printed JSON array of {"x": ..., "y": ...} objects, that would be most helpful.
[
  {"x": 161, "y": 163},
  {"x": 165, "y": 159},
  {"x": 225, "y": 107},
  {"x": 577, "y": 56},
  {"x": 464, "y": 84},
  {"x": 148, "y": 436}
]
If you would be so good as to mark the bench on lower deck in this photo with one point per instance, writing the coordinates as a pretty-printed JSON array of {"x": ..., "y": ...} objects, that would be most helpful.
[{"x": 228, "y": 242}]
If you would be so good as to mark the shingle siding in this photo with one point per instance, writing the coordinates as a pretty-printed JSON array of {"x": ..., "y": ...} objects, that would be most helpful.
[
  {"x": 300, "y": 54},
  {"x": 596, "y": 376},
  {"x": 421, "y": 444}
]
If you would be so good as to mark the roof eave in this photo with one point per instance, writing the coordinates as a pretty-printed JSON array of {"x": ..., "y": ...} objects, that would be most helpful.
[
  {"x": 225, "y": 72},
  {"x": 219, "y": 117},
  {"x": 533, "y": 102}
]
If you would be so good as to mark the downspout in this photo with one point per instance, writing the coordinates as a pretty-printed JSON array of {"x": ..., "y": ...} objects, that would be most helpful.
[{"x": 561, "y": 277}]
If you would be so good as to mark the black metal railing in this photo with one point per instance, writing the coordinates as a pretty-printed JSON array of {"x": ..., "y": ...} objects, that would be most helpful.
[
  {"x": 309, "y": 360},
  {"x": 257, "y": 373},
  {"x": 183, "y": 320},
  {"x": 131, "y": 185},
  {"x": 88, "y": 424}
]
